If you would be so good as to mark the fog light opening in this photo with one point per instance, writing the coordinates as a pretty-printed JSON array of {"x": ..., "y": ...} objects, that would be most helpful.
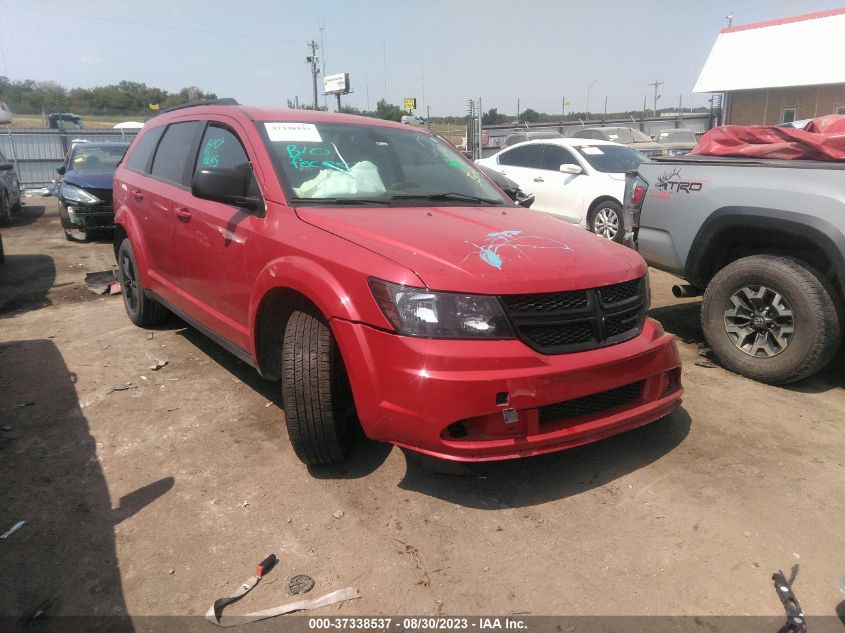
[
  {"x": 457, "y": 430},
  {"x": 502, "y": 399}
]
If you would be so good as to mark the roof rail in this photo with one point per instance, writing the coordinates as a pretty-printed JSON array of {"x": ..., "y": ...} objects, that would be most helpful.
[{"x": 202, "y": 102}]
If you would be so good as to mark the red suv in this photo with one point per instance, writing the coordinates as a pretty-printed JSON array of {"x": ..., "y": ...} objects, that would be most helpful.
[{"x": 388, "y": 284}]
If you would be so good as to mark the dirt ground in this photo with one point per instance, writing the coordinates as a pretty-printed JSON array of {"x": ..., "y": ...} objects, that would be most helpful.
[{"x": 158, "y": 498}]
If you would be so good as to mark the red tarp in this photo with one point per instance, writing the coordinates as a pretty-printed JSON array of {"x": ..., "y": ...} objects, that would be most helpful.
[{"x": 822, "y": 138}]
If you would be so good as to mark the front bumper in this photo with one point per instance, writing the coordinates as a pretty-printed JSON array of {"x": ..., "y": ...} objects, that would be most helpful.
[
  {"x": 491, "y": 400},
  {"x": 90, "y": 217}
]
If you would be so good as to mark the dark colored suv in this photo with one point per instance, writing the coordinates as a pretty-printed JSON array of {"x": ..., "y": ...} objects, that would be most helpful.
[{"x": 388, "y": 283}]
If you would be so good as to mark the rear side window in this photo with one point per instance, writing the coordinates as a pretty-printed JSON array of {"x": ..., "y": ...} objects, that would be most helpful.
[
  {"x": 171, "y": 162},
  {"x": 139, "y": 159},
  {"x": 524, "y": 156}
]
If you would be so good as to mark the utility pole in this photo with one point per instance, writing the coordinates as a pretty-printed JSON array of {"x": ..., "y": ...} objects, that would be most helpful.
[
  {"x": 428, "y": 117},
  {"x": 656, "y": 85},
  {"x": 323, "y": 64},
  {"x": 312, "y": 59},
  {"x": 517, "y": 111},
  {"x": 588, "y": 97},
  {"x": 563, "y": 108},
  {"x": 604, "y": 118}
]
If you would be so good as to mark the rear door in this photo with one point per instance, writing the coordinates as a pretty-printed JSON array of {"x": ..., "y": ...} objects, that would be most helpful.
[
  {"x": 521, "y": 164},
  {"x": 168, "y": 188},
  {"x": 213, "y": 239},
  {"x": 555, "y": 192}
]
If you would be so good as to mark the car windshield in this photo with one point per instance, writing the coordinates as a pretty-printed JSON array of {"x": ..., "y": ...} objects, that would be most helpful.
[
  {"x": 331, "y": 164},
  {"x": 676, "y": 136},
  {"x": 93, "y": 160},
  {"x": 625, "y": 135},
  {"x": 611, "y": 159}
]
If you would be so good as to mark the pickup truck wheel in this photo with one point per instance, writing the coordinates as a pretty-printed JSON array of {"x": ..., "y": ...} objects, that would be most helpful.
[
  {"x": 606, "y": 221},
  {"x": 142, "y": 310},
  {"x": 773, "y": 319},
  {"x": 319, "y": 409}
]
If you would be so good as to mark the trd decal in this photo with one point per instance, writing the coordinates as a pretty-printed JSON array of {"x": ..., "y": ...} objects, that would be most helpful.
[{"x": 671, "y": 182}]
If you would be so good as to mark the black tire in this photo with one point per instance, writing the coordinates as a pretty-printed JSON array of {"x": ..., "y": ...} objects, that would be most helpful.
[
  {"x": 5, "y": 211},
  {"x": 16, "y": 208},
  {"x": 319, "y": 409},
  {"x": 794, "y": 297},
  {"x": 2, "y": 252},
  {"x": 606, "y": 221},
  {"x": 142, "y": 310}
]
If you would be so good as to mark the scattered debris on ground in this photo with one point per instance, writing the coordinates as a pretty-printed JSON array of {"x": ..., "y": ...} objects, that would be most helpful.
[
  {"x": 102, "y": 282},
  {"x": 17, "y": 526}
]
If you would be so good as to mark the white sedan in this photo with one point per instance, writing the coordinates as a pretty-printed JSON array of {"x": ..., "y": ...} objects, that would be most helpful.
[{"x": 580, "y": 180}]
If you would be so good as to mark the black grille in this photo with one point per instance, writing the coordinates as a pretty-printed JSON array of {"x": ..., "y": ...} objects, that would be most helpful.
[
  {"x": 547, "y": 301},
  {"x": 556, "y": 335},
  {"x": 590, "y": 404},
  {"x": 617, "y": 324},
  {"x": 619, "y": 292},
  {"x": 574, "y": 321}
]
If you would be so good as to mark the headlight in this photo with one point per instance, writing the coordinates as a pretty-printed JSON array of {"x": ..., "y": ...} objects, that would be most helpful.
[
  {"x": 75, "y": 194},
  {"x": 419, "y": 312}
]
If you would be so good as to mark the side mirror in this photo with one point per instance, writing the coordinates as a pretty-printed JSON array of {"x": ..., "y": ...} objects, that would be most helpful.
[
  {"x": 7, "y": 166},
  {"x": 60, "y": 170},
  {"x": 524, "y": 199},
  {"x": 569, "y": 168},
  {"x": 228, "y": 186}
]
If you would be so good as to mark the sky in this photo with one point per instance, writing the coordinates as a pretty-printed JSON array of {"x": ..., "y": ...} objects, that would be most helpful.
[{"x": 440, "y": 52}]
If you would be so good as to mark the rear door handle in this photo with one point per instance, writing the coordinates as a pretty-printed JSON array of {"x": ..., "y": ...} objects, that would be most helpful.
[
  {"x": 183, "y": 214},
  {"x": 539, "y": 179},
  {"x": 137, "y": 195}
]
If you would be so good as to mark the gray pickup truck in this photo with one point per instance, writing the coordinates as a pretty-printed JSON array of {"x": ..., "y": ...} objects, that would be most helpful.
[{"x": 763, "y": 241}]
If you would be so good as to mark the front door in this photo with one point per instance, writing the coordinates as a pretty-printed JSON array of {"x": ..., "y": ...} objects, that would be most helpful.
[{"x": 213, "y": 241}]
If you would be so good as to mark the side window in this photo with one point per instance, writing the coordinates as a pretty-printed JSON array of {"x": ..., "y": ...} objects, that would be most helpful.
[
  {"x": 172, "y": 157},
  {"x": 524, "y": 156},
  {"x": 554, "y": 156},
  {"x": 220, "y": 147},
  {"x": 139, "y": 159}
]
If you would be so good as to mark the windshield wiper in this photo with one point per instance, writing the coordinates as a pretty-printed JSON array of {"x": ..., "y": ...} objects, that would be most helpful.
[
  {"x": 341, "y": 201},
  {"x": 445, "y": 196}
]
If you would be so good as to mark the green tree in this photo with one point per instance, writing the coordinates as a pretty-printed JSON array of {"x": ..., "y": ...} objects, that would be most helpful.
[{"x": 529, "y": 116}]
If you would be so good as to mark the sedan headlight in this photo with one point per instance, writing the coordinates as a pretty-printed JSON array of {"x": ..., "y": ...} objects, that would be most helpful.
[
  {"x": 420, "y": 312},
  {"x": 75, "y": 194}
]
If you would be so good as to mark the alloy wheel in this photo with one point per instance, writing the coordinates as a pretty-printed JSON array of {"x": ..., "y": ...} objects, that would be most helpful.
[
  {"x": 129, "y": 285},
  {"x": 606, "y": 223},
  {"x": 759, "y": 321}
]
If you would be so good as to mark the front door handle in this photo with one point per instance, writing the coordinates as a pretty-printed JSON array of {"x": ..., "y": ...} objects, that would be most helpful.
[
  {"x": 539, "y": 179},
  {"x": 183, "y": 214},
  {"x": 137, "y": 195}
]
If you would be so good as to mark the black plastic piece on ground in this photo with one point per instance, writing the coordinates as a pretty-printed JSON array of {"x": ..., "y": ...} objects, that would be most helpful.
[
  {"x": 795, "y": 620},
  {"x": 266, "y": 565}
]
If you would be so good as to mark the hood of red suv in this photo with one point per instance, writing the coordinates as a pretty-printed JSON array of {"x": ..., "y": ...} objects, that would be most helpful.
[{"x": 485, "y": 250}]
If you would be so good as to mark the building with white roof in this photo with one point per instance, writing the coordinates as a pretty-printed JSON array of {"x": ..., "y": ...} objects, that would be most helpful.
[{"x": 779, "y": 71}]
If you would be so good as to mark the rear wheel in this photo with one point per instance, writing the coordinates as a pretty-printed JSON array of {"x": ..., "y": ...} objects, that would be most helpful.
[
  {"x": 773, "y": 319},
  {"x": 606, "y": 221},
  {"x": 319, "y": 409},
  {"x": 142, "y": 310},
  {"x": 5, "y": 210}
]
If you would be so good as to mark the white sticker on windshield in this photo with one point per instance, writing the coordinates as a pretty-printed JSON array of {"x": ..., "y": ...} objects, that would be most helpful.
[
  {"x": 594, "y": 151},
  {"x": 304, "y": 132}
]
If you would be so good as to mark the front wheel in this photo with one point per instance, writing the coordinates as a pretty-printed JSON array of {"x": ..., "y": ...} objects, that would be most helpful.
[
  {"x": 773, "y": 319},
  {"x": 319, "y": 409},
  {"x": 606, "y": 221},
  {"x": 142, "y": 310}
]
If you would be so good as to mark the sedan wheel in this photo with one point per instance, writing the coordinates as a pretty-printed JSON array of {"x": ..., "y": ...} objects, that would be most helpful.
[{"x": 607, "y": 221}]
